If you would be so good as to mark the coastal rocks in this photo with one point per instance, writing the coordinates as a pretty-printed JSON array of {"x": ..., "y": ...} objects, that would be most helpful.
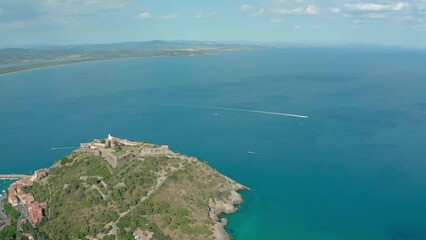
[
  {"x": 218, "y": 207},
  {"x": 235, "y": 197},
  {"x": 219, "y": 232},
  {"x": 224, "y": 222}
]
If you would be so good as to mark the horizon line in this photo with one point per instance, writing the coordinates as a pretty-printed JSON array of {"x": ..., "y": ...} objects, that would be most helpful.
[{"x": 289, "y": 44}]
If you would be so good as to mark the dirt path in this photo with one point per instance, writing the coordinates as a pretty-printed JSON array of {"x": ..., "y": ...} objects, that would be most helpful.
[{"x": 160, "y": 180}]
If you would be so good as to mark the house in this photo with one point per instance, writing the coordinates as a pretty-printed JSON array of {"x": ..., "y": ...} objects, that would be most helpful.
[
  {"x": 25, "y": 181},
  {"x": 25, "y": 198},
  {"x": 13, "y": 199},
  {"x": 18, "y": 188},
  {"x": 36, "y": 211},
  {"x": 30, "y": 199},
  {"x": 38, "y": 174}
]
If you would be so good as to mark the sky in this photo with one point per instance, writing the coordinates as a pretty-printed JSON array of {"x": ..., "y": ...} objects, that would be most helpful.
[{"x": 325, "y": 22}]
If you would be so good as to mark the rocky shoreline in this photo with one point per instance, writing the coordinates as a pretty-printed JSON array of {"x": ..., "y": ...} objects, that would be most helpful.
[{"x": 218, "y": 208}]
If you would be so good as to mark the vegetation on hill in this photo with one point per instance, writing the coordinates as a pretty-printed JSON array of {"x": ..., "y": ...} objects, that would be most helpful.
[
  {"x": 162, "y": 197},
  {"x": 10, "y": 231}
]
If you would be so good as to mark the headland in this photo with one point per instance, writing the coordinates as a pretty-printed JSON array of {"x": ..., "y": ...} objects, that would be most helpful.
[{"x": 115, "y": 188}]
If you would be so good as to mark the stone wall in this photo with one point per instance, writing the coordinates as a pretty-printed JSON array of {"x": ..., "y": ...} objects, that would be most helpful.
[
  {"x": 158, "y": 150},
  {"x": 108, "y": 156},
  {"x": 107, "y": 153}
]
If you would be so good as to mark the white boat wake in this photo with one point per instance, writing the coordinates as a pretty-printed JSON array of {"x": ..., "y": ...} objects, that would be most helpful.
[
  {"x": 61, "y": 148},
  {"x": 231, "y": 110},
  {"x": 261, "y": 112},
  {"x": 241, "y": 110}
]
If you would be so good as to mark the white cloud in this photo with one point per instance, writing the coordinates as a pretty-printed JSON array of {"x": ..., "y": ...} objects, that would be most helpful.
[
  {"x": 377, "y": 15},
  {"x": 202, "y": 14},
  {"x": 400, "y": 6},
  {"x": 258, "y": 13},
  {"x": 144, "y": 15},
  {"x": 336, "y": 10},
  {"x": 311, "y": 9},
  {"x": 296, "y": 27},
  {"x": 376, "y": 7},
  {"x": 246, "y": 8},
  {"x": 249, "y": 9},
  {"x": 276, "y": 20},
  {"x": 30, "y": 13},
  {"x": 78, "y": 7},
  {"x": 289, "y": 11},
  {"x": 167, "y": 17},
  {"x": 366, "y": 6},
  {"x": 359, "y": 21}
]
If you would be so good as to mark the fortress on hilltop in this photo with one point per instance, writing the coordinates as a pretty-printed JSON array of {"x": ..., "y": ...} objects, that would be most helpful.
[{"x": 117, "y": 151}]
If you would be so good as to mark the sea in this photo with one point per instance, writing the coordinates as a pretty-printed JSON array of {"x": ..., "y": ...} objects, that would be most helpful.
[{"x": 355, "y": 169}]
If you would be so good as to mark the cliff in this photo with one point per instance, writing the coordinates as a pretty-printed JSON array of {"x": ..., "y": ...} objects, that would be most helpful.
[{"x": 153, "y": 193}]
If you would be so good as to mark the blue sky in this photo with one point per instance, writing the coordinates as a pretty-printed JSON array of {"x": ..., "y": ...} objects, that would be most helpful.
[{"x": 381, "y": 22}]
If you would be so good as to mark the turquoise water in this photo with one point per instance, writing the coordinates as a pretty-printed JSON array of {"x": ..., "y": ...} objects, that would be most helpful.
[
  {"x": 355, "y": 169},
  {"x": 4, "y": 185}
]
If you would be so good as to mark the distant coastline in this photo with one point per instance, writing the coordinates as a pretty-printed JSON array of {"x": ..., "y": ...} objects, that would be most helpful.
[
  {"x": 30, "y": 67},
  {"x": 14, "y": 60},
  {"x": 36, "y": 66}
]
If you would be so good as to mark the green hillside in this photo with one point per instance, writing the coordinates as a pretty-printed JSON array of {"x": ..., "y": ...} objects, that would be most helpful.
[{"x": 158, "y": 196}]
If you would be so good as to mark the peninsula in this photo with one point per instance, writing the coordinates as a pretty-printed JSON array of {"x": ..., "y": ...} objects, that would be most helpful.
[
  {"x": 114, "y": 188},
  {"x": 32, "y": 57}
]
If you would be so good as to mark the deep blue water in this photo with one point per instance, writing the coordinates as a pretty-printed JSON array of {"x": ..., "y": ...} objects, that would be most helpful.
[{"x": 355, "y": 169}]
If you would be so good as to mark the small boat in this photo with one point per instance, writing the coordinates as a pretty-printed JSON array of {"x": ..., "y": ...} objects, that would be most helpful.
[{"x": 256, "y": 153}]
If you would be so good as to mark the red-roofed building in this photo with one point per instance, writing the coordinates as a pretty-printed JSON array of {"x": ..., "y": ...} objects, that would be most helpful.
[
  {"x": 38, "y": 174},
  {"x": 43, "y": 205},
  {"x": 30, "y": 199},
  {"x": 36, "y": 211},
  {"x": 13, "y": 200},
  {"x": 26, "y": 198},
  {"x": 21, "y": 195},
  {"x": 25, "y": 181},
  {"x": 18, "y": 188}
]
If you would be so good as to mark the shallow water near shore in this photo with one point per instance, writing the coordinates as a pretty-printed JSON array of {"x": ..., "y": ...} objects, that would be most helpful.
[
  {"x": 353, "y": 170},
  {"x": 4, "y": 184}
]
